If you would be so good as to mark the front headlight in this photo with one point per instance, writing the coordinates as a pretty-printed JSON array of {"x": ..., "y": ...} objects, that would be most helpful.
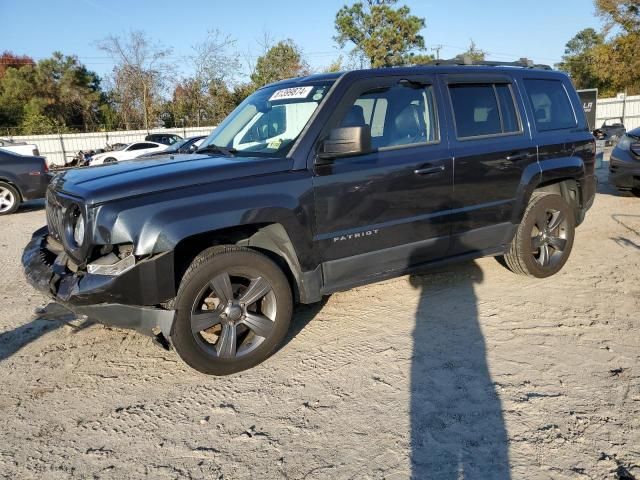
[
  {"x": 78, "y": 231},
  {"x": 75, "y": 227}
]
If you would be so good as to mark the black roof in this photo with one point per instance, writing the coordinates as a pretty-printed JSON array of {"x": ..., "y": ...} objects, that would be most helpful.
[{"x": 441, "y": 66}]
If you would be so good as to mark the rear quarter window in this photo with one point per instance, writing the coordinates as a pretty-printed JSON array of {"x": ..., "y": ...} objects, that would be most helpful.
[{"x": 552, "y": 109}]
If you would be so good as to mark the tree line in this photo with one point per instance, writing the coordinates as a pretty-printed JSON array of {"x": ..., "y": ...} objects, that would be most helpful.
[
  {"x": 607, "y": 59},
  {"x": 144, "y": 89}
]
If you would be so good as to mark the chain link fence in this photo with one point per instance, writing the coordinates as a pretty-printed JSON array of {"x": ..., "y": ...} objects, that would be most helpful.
[{"x": 60, "y": 148}]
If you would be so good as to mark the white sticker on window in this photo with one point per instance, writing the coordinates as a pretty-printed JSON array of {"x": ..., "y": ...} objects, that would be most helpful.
[{"x": 288, "y": 93}]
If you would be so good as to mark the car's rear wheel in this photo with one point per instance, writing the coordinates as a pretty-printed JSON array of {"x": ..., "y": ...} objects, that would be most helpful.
[
  {"x": 233, "y": 309},
  {"x": 110, "y": 160},
  {"x": 636, "y": 192},
  {"x": 9, "y": 199},
  {"x": 544, "y": 239}
]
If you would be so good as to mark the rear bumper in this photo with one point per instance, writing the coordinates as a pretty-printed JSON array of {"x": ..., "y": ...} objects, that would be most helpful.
[
  {"x": 35, "y": 187},
  {"x": 126, "y": 301},
  {"x": 589, "y": 186}
]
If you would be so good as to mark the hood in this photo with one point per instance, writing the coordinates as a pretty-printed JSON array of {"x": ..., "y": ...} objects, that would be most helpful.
[{"x": 120, "y": 180}]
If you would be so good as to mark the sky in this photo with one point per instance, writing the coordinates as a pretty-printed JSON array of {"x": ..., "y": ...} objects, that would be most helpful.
[{"x": 506, "y": 29}]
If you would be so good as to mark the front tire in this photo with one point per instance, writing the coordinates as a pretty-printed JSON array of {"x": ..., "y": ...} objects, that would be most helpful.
[
  {"x": 233, "y": 309},
  {"x": 9, "y": 199},
  {"x": 544, "y": 239}
]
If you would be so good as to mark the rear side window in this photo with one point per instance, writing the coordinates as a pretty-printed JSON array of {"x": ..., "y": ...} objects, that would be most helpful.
[
  {"x": 484, "y": 109},
  {"x": 551, "y": 105}
]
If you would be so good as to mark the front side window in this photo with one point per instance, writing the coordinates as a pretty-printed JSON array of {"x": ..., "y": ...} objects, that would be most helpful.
[
  {"x": 399, "y": 115},
  {"x": 550, "y": 103},
  {"x": 483, "y": 109},
  {"x": 268, "y": 122}
]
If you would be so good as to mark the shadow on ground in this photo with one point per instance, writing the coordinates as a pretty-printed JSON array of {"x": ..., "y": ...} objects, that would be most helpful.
[
  {"x": 50, "y": 318},
  {"x": 457, "y": 425},
  {"x": 31, "y": 206}
]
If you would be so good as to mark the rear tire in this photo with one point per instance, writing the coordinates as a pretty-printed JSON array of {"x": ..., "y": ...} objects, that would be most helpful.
[
  {"x": 636, "y": 192},
  {"x": 9, "y": 199},
  {"x": 110, "y": 160},
  {"x": 233, "y": 309},
  {"x": 544, "y": 239}
]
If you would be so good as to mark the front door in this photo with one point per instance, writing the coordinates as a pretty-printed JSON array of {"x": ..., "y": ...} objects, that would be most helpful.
[{"x": 385, "y": 211}]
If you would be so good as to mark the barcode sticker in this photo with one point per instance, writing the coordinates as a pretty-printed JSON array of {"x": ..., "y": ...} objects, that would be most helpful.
[{"x": 289, "y": 93}]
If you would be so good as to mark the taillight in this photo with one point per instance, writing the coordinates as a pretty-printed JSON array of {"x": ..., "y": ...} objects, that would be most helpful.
[{"x": 46, "y": 165}]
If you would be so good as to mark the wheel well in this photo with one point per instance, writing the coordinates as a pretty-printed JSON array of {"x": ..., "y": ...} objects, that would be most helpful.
[
  {"x": 187, "y": 249},
  {"x": 566, "y": 188}
]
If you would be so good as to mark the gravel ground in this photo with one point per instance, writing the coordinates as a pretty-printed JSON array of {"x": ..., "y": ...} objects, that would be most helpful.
[{"x": 470, "y": 373}]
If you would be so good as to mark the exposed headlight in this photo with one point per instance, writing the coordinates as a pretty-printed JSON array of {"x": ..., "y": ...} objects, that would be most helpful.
[
  {"x": 78, "y": 231},
  {"x": 111, "y": 265}
]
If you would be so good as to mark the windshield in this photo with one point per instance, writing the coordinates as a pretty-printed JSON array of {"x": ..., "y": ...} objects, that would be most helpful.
[
  {"x": 176, "y": 146},
  {"x": 268, "y": 122}
]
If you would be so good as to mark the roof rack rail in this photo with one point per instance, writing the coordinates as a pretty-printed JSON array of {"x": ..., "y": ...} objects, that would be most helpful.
[{"x": 466, "y": 60}]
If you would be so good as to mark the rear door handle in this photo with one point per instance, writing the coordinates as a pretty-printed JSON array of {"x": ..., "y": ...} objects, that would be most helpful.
[
  {"x": 429, "y": 170},
  {"x": 516, "y": 157}
]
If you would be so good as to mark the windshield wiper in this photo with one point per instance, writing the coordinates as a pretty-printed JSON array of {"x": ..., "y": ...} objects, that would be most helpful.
[{"x": 229, "y": 152}]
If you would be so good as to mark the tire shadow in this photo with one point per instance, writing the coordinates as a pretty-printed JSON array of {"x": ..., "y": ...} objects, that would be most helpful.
[{"x": 457, "y": 425}]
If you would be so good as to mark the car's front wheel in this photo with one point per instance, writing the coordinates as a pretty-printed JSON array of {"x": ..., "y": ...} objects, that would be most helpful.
[
  {"x": 233, "y": 309},
  {"x": 9, "y": 199},
  {"x": 544, "y": 239}
]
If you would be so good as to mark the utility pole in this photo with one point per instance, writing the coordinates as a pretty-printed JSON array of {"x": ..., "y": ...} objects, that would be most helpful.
[{"x": 437, "y": 49}]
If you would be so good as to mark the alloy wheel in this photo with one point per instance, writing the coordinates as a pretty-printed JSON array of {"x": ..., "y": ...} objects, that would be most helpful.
[
  {"x": 7, "y": 199},
  {"x": 549, "y": 237},
  {"x": 233, "y": 314}
]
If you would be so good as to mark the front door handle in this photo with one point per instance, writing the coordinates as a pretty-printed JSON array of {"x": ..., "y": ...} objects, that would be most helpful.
[{"x": 429, "y": 170}]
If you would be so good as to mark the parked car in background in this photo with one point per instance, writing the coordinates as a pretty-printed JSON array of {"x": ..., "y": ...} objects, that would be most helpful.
[
  {"x": 613, "y": 129},
  {"x": 22, "y": 148},
  {"x": 624, "y": 164},
  {"x": 188, "y": 145},
  {"x": 22, "y": 178},
  {"x": 164, "y": 138},
  {"x": 128, "y": 152}
]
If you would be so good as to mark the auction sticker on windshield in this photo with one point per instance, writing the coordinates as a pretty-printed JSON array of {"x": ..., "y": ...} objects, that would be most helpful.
[{"x": 289, "y": 93}]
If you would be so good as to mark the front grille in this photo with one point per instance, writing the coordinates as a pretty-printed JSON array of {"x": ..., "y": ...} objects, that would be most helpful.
[{"x": 54, "y": 216}]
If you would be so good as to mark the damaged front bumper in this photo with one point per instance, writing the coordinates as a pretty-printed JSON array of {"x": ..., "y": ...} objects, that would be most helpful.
[{"x": 130, "y": 300}]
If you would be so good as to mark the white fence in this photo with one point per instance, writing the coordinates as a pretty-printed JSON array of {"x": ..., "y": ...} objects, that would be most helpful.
[
  {"x": 59, "y": 147},
  {"x": 619, "y": 108}
]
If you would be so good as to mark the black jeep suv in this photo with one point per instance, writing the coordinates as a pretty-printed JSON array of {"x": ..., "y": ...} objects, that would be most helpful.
[{"x": 315, "y": 185}]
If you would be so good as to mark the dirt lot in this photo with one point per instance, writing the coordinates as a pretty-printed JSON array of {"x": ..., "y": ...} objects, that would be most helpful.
[{"x": 471, "y": 373}]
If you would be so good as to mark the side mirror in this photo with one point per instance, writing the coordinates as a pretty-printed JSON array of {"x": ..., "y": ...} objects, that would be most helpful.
[
  {"x": 346, "y": 142},
  {"x": 193, "y": 148}
]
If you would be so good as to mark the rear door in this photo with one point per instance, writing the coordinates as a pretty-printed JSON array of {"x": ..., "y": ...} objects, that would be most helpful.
[
  {"x": 492, "y": 149},
  {"x": 384, "y": 211}
]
